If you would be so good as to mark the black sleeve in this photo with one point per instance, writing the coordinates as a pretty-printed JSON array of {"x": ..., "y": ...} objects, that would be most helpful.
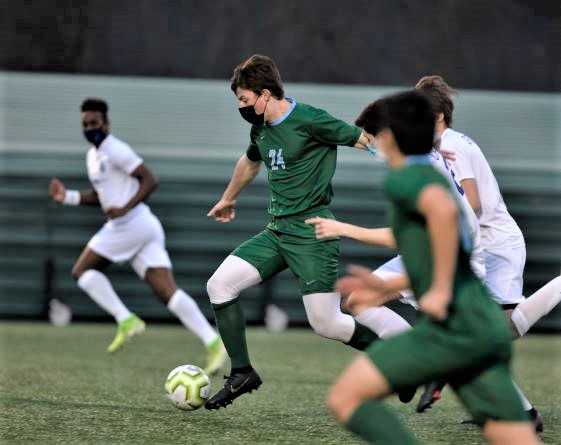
[{"x": 252, "y": 151}]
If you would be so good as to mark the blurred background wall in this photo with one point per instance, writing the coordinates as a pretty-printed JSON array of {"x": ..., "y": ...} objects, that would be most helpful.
[
  {"x": 498, "y": 44},
  {"x": 163, "y": 67}
]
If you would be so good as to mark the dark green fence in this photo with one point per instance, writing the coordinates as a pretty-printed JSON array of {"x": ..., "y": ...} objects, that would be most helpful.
[{"x": 39, "y": 241}]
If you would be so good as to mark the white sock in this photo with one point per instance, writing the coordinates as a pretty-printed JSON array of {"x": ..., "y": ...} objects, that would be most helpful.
[
  {"x": 98, "y": 287},
  {"x": 383, "y": 321},
  {"x": 536, "y": 306},
  {"x": 185, "y": 308},
  {"x": 525, "y": 402}
]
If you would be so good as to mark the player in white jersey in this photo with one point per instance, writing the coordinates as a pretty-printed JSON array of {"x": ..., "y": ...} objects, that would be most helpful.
[
  {"x": 121, "y": 183},
  {"x": 501, "y": 238}
]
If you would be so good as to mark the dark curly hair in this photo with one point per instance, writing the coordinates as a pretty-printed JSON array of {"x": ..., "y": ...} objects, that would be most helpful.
[{"x": 95, "y": 104}]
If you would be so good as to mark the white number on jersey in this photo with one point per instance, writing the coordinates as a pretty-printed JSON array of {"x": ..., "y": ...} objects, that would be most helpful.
[{"x": 277, "y": 160}]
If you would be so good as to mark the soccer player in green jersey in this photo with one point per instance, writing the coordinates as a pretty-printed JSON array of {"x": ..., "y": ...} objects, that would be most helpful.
[
  {"x": 297, "y": 143},
  {"x": 463, "y": 336}
]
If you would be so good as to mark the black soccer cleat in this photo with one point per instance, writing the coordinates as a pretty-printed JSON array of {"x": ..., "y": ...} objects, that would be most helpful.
[
  {"x": 406, "y": 395},
  {"x": 236, "y": 384},
  {"x": 432, "y": 394},
  {"x": 536, "y": 420}
]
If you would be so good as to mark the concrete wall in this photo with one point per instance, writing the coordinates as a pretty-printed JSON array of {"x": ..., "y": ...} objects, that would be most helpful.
[{"x": 198, "y": 118}]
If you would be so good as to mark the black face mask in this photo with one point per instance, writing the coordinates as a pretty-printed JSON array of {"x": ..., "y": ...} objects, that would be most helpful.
[
  {"x": 249, "y": 114},
  {"x": 95, "y": 136}
]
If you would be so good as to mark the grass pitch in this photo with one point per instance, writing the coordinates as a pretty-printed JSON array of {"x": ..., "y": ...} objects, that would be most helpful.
[{"x": 58, "y": 385}]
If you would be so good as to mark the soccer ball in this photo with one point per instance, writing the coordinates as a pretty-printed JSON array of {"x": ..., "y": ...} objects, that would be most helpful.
[{"x": 188, "y": 387}]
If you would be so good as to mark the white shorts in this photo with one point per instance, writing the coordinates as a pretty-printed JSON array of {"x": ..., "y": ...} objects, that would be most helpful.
[
  {"x": 137, "y": 237},
  {"x": 391, "y": 269},
  {"x": 505, "y": 272}
]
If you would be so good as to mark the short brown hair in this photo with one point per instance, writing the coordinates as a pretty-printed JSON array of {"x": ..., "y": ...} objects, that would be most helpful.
[
  {"x": 258, "y": 73},
  {"x": 440, "y": 95}
]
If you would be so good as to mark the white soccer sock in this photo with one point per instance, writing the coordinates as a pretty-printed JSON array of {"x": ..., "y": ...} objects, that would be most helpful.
[
  {"x": 525, "y": 402},
  {"x": 185, "y": 308},
  {"x": 98, "y": 287},
  {"x": 536, "y": 306},
  {"x": 383, "y": 321}
]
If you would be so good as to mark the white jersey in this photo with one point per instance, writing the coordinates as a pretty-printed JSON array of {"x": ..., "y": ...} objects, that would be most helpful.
[
  {"x": 137, "y": 236},
  {"x": 109, "y": 170},
  {"x": 468, "y": 215},
  {"x": 498, "y": 228}
]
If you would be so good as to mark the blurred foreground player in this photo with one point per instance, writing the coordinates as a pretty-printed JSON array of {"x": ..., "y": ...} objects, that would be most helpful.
[
  {"x": 463, "y": 336},
  {"x": 298, "y": 145},
  {"x": 121, "y": 183}
]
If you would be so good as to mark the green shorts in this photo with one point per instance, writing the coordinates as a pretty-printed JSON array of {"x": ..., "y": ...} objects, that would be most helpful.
[
  {"x": 314, "y": 262},
  {"x": 470, "y": 350}
]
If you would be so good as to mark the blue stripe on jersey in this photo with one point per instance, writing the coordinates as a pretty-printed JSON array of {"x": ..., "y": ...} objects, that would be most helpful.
[{"x": 464, "y": 232}]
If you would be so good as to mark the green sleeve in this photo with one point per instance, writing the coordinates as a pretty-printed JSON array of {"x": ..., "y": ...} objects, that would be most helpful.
[
  {"x": 252, "y": 151},
  {"x": 329, "y": 130}
]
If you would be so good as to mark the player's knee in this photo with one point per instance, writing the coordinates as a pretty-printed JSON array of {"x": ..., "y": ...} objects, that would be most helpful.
[
  {"x": 509, "y": 433},
  {"x": 331, "y": 327},
  {"x": 321, "y": 323},
  {"x": 341, "y": 402},
  {"x": 335, "y": 401},
  {"x": 219, "y": 291}
]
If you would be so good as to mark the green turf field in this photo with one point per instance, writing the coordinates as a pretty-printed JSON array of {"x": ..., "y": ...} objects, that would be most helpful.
[{"x": 57, "y": 385}]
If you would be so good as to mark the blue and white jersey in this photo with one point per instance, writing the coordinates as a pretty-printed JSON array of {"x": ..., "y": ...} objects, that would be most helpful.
[{"x": 469, "y": 217}]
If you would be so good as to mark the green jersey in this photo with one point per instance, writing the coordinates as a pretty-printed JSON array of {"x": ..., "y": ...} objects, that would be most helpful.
[
  {"x": 403, "y": 187},
  {"x": 299, "y": 151}
]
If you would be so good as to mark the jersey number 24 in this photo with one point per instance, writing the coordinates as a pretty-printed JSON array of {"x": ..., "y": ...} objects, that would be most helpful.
[{"x": 277, "y": 160}]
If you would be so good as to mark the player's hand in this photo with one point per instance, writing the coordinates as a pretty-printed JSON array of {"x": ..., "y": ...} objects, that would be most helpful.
[
  {"x": 116, "y": 212},
  {"x": 326, "y": 228},
  {"x": 223, "y": 211},
  {"x": 57, "y": 190},
  {"x": 361, "y": 279},
  {"x": 362, "y": 289},
  {"x": 435, "y": 304},
  {"x": 364, "y": 298},
  {"x": 447, "y": 154}
]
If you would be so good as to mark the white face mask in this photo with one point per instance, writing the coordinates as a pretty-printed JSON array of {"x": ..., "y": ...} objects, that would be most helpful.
[{"x": 379, "y": 155}]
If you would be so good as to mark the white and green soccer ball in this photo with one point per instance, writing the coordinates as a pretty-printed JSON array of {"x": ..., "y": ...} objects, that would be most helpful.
[{"x": 188, "y": 387}]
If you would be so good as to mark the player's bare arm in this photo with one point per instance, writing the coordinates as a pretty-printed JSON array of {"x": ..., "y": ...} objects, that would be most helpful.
[
  {"x": 245, "y": 171},
  {"x": 441, "y": 214},
  {"x": 472, "y": 194},
  {"x": 58, "y": 193},
  {"x": 148, "y": 184},
  {"x": 330, "y": 228}
]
